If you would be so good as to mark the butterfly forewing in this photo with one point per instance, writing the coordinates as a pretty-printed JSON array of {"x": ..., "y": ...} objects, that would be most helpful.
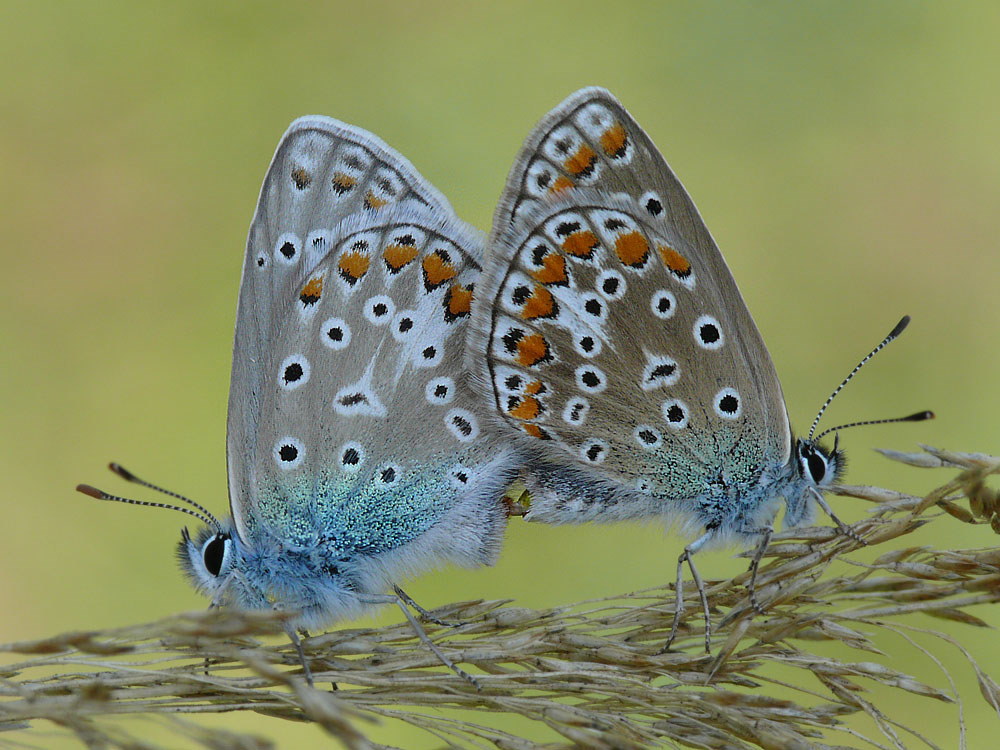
[{"x": 614, "y": 335}]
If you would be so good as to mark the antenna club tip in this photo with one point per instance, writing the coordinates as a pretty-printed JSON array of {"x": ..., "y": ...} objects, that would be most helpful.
[
  {"x": 121, "y": 471},
  {"x": 86, "y": 489},
  {"x": 920, "y": 416},
  {"x": 900, "y": 327}
]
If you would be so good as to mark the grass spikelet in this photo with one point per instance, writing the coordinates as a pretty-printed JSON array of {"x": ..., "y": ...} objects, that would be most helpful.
[{"x": 587, "y": 674}]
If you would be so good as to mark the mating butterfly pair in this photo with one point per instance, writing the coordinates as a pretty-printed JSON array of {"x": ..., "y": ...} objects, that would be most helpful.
[{"x": 394, "y": 371}]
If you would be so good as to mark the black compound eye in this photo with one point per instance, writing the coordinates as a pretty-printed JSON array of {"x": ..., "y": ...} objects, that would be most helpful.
[
  {"x": 214, "y": 554},
  {"x": 817, "y": 466}
]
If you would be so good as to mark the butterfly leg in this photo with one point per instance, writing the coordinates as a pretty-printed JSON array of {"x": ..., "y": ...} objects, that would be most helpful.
[
  {"x": 294, "y": 637},
  {"x": 686, "y": 557},
  {"x": 402, "y": 603},
  {"x": 758, "y": 555},
  {"x": 841, "y": 526},
  {"x": 424, "y": 614},
  {"x": 208, "y": 662}
]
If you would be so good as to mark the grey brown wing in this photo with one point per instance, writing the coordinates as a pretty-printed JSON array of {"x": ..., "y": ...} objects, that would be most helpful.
[
  {"x": 322, "y": 172},
  {"x": 630, "y": 391},
  {"x": 370, "y": 442}
]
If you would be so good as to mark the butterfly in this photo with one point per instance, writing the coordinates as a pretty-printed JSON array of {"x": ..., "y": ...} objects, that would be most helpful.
[
  {"x": 611, "y": 341},
  {"x": 355, "y": 447}
]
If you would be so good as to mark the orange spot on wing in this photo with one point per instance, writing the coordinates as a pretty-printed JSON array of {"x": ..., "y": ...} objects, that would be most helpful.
[
  {"x": 373, "y": 201},
  {"x": 614, "y": 141},
  {"x": 580, "y": 244},
  {"x": 532, "y": 349},
  {"x": 674, "y": 260},
  {"x": 581, "y": 164},
  {"x": 562, "y": 183},
  {"x": 553, "y": 270},
  {"x": 535, "y": 431},
  {"x": 534, "y": 387},
  {"x": 458, "y": 302},
  {"x": 398, "y": 256},
  {"x": 353, "y": 265},
  {"x": 632, "y": 249},
  {"x": 437, "y": 270},
  {"x": 301, "y": 178},
  {"x": 527, "y": 408},
  {"x": 312, "y": 291},
  {"x": 539, "y": 305},
  {"x": 342, "y": 183}
]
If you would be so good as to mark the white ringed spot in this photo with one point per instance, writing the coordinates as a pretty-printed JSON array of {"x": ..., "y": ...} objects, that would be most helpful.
[
  {"x": 294, "y": 371},
  {"x": 388, "y": 473},
  {"x": 708, "y": 333},
  {"x": 611, "y": 285},
  {"x": 660, "y": 371},
  {"x": 289, "y": 452},
  {"x": 647, "y": 437},
  {"x": 355, "y": 401},
  {"x": 593, "y": 306},
  {"x": 594, "y": 451},
  {"x": 460, "y": 475},
  {"x": 404, "y": 325},
  {"x": 663, "y": 304},
  {"x": 462, "y": 424},
  {"x": 590, "y": 378},
  {"x": 335, "y": 333},
  {"x": 352, "y": 456},
  {"x": 379, "y": 309},
  {"x": 652, "y": 202},
  {"x": 287, "y": 249},
  {"x": 428, "y": 354},
  {"x": 675, "y": 412},
  {"x": 727, "y": 403},
  {"x": 317, "y": 242},
  {"x": 587, "y": 345},
  {"x": 575, "y": 411},
  {"x": 440, "y": 390},
  {"x": 644, "y": 486}
]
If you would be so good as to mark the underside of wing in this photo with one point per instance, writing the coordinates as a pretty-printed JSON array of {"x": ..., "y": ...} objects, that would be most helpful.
[
  {"x": 370, "y": 441},
  {"x": 610, "y": 334},
  {"x": 291, "y": 361}
]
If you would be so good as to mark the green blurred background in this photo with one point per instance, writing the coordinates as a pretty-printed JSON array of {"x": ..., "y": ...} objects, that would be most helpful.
[{"x": 844, "y": 155}]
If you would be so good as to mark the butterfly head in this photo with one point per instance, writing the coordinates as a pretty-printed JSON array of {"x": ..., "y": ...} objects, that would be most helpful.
[
  {"x": 815, "y": 467},
  {"x": 818, "y": 465},
  {"x": 208, "y": 558}
]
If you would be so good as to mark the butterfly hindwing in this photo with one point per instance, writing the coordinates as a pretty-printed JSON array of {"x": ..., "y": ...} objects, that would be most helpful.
[{"x": 616, "y": 342}]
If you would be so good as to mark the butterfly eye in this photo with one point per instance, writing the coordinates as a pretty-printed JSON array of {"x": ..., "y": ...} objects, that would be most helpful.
[
  {"x": 814, "y": 462},
  {"x": 817, "y": 467},
  {"x": 214, "y": 553}
]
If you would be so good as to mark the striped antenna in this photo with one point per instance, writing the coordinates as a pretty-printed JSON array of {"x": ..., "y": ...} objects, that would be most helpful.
[
  {"x": 86, "y": 489},
  {"x": 197, "y": 510},
  {"x": 128, "y": 476},
  {"x": 893, "y": 335},
  {"x": 920, "y": 416}
]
